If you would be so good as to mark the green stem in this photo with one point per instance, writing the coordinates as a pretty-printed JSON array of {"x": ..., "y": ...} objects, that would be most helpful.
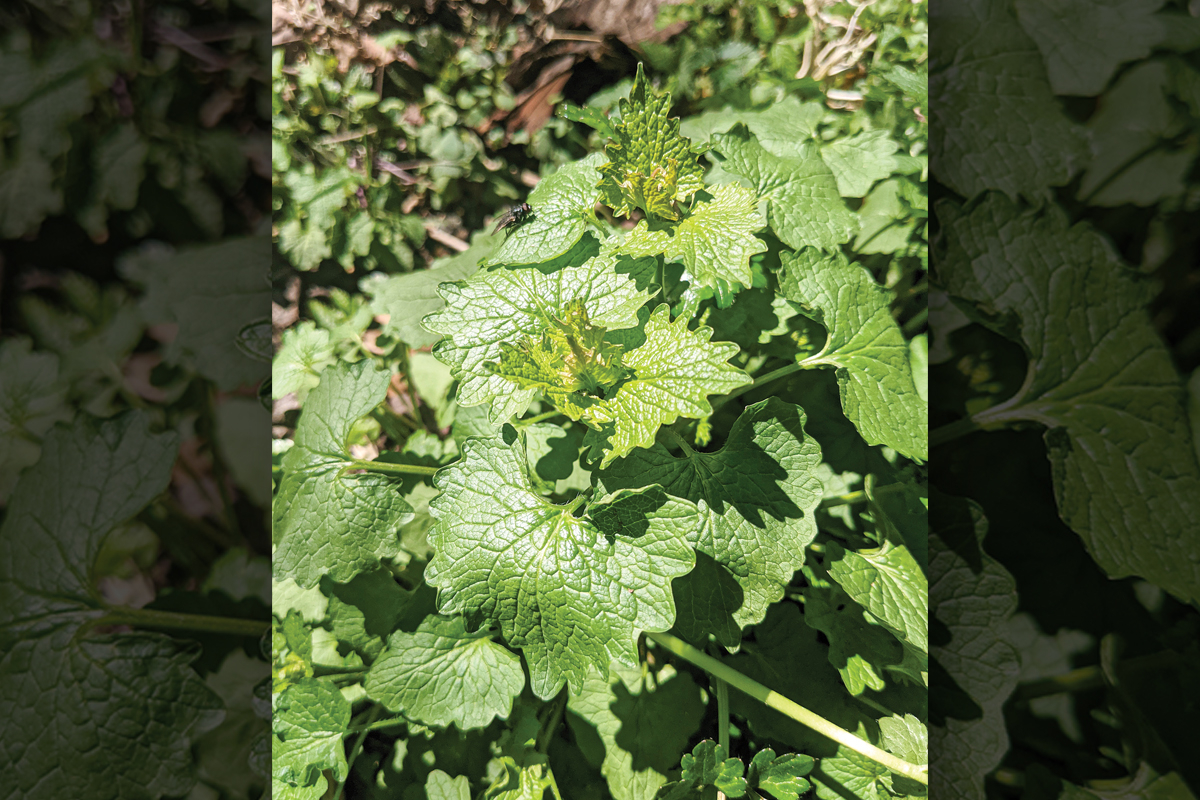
[
  {"x": 952, "y": 431},
  {"x": 321, "y": 671},
  {"x": 678, "y": 441},
  {"x": 398, "y": 469},
  {"x": 722, "y": 713},
  {"x": 1085, "y": 678},
  {"x": 914, "y": 324},
  {"x": 354, "y": 752},
  {"x": 374, "y": 726},
  {"x": 859, "y": 496},
  {"x": 789, "y": 708},
  {"x": 553, "y": 720},
  {"x": 545, "y": 415},
  {"x": 152, "y": 618}
]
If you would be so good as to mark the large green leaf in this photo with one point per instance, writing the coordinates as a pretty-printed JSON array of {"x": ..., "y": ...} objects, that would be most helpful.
[
  {"x": 996, "y": 124},
  {"x": 806, "y": 208},
  {"x": 671, "y": 375},
  {"x": 643, "y": 723},
  {"x": 756, "y": 497},
  {"x": 650, "y": 165},
  {"x": 1125, "y": 472},
  {"x": 866, "y": 346},
  {"x": 716, "y": 241},
  {"x": 564, "y": 206},
  {"x": 501, "y": 307},
  {"x": 327, "y": 522},
  {"x": 571, "y": 591},
  {"x": 441, "y": 674},
  {"x": 87, "y": 716}
]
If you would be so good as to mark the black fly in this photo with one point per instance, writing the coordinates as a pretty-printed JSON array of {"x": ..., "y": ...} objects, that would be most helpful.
[{"x": 514, "y": 216}]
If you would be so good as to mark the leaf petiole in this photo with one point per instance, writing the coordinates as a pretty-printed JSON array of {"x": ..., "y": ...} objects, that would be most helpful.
[
  {"x": 789, "y": 708},
  {"x": 153, "y": 618},
  {"x": 388, "y": 467}
]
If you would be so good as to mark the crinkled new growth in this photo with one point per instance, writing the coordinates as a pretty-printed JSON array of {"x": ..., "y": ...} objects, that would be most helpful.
[
  {"x": 572, "y": 591},
  {"x": 511, "y": 309},
  {"x": 650, "y": 165}
]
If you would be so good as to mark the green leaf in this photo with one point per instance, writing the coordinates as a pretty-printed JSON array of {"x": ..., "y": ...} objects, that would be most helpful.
[
  {"x": 886, "y": 224},
  {"x": 563, "y": 209},
  {"x": 406, "y": 299},
  {"x": 889, "y": 584},
  {"x": 806, "y": 208},
  {"x": 520, "y": 782},
  {"x": 783, "y": 129},
  {"x": 716, "y": 240},
  {"x": 707, "y": 765},
  {"x": 570, "y": 591},
  {"x": 212, "y": 292},
  {"x": 1125, "y": 473},
  {"x": 1084, "y": 41},
  {"x": 440, "y": 674},
  {"x": 642, "y": 723},
  {"x": 974, "y": 598},
  {"x": 994, "y": 98},
  {"x": 906, "y": 737},
  {"x": 131, "y": 702},
  {"x": 303, "y": 353},
  {"x": 440, "y": 786},
  {"x": 672, "y": 374},
  {"x": 650, "y": 166},
  {"x": 311, "y": 539},
  {"x": 865, "y": 345},
  {"x": 858, "y": 161},
  {"x": 756, "y": 497},
  {"x": 859, "y": 647},
  {"x": 850, "y": 774},
  {"x": 782, "y": 777},
  {"x": 501, "y": 307},
  {"x": 309, "y": 722},
  {"x": 1131, "y": 126},
  {"x": 592, "y": 117}
]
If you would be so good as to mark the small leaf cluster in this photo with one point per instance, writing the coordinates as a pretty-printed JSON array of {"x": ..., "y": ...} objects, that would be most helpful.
[{"x": 672, "y": 398}]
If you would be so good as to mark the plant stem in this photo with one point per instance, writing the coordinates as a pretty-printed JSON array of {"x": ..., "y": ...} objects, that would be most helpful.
[
  {"x": 399, "y": 469},
  {"x": 952, "y": 431},
  {"x": 358, "y": 743},
  {"x": 152, "y": 618},
  {"x": 789, "y": 708},
  {"x": 859, "y": 496},
  {"x": 374, "y": 726},
  {"x": 1085, "y": 678},
  {"x": 722, "y": 713},
  {"x": 678, "y": 441},
  {"x": 553, "y": 720},
  {"x": 545, "y": 415}
]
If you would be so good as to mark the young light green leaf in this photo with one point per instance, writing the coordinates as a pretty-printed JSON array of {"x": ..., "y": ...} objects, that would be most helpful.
[
  {"x": 994, "y": 99},
  {"x": 406, "y": 299},
  {"x": 889, "y": 584},
  {"x": 865, "y": 344},
  {"x": 756, "y": 497},
  {"x": 716, "y": 241},
  {"x": 303, "y": 353},
  {"x": 850, "y": 774},
  {"x": 1126, "y": 477},
  {"x": 309, "y": 722},
  {"x": 650, "y": 165},
  {"x": 672, "y": 374},
  {"x": 500, "y": 307},
  {"x": 572, "y": 591},
  {"x": 806, "y": 208},
  {"x": 782, "y": 777},
  {"x": 515, "y": 782},
  {"x": 311, "y": 541},
  {"x": 642, "y": 723},
  {"x": 563, "y": 208},
  {"x": 440, "y": 786},
  {"x": 1084, "y": 41},
  {"x": 906, "y": 737},
  {"x": 589, "y": 116},
  {"x": 440, "y": 674},
  {"x": 858, "y": 161}
]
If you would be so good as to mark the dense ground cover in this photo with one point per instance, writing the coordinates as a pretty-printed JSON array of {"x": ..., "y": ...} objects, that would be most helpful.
[{"x": 545, "y": 493}]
